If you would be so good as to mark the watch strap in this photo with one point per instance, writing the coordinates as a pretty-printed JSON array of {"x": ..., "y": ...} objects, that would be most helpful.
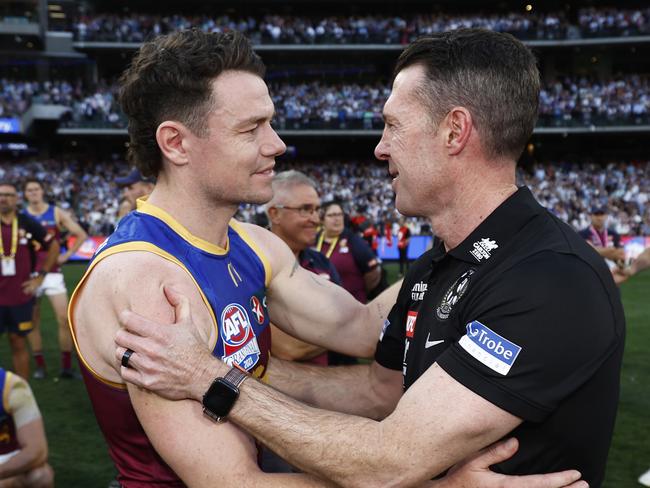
[{"x": 235, "y": 376}]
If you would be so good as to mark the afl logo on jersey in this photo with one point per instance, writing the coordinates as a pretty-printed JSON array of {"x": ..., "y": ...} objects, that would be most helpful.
[
  {"x": 235, "y": 326},
  {"x": 239, "y": 342},
  {"x": 453, "y": 295}
]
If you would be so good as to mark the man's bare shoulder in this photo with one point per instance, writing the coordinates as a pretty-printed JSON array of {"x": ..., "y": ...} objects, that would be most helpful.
[
  {"x": 274, "y": 248},
  {"x": 135, "y": 281}
]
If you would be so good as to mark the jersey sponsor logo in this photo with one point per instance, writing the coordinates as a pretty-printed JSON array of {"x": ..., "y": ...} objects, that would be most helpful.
[
  {"x": 493, "y": 350},
  {"x": 418, "y": 291},
  {"x": 257, "y": 309},
  {"x": 239, "y": 342},
  {"x": 453, "y": 295},
  {"x": 411, "y": 317},
  {"x": 430, "y": 343},
  {"x": 483, "y": 248}
]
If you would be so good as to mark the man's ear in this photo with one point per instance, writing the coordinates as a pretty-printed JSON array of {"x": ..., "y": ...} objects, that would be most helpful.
[
  {"x": 171, "y": 137},
  {"x": 273, "y": 214},
  {"x": 459, "y": 125}
]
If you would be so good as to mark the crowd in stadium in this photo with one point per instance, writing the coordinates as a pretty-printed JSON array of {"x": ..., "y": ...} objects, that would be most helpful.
[
  {"x": 277, "y": 29},
  {"x": 568, "y": 190},
  {"x": 564, "y": 102}
]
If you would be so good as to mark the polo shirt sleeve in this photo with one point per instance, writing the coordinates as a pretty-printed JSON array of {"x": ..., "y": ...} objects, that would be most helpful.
[
  {"x": 363, "y": 255},
  {"x": 390, "y": 348},
  {"x": 534, "y": 337}
]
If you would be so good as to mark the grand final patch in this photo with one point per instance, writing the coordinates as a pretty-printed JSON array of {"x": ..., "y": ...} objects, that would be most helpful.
[
  {"x": 239, "y": 342},
  {"x": 454, "y": 294}
]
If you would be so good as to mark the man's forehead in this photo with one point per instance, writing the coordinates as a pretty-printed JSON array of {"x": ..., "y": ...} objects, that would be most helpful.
[
  {"x": 405, "y": 87},
  {"x": 241, "y": 93}
]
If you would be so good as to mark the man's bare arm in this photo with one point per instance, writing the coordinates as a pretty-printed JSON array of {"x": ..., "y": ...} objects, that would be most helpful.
[
  {"x": 368, "y": 390},
  {"x": 66, "y": 221},
  {"x": 314, "y": 309},
  {"x": 288, "y": 348},
  {"x": 30, "y": 432}
]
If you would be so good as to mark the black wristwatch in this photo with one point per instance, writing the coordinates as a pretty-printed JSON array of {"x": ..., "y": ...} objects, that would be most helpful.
[{"x": 222, "y": 394}]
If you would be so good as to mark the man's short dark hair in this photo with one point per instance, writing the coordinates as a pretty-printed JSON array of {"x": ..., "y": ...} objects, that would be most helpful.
[
  {"x": 170, "y": 79},
  {"x": 33, "y": 180},
  {"x": 491, "y": 74}
]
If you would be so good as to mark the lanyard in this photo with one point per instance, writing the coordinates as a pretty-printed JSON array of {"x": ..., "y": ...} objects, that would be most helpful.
[
  {"x": 602, "y": 237},
  {"x": 332, "y": 245},
  {"x": 14, "y": 240}
]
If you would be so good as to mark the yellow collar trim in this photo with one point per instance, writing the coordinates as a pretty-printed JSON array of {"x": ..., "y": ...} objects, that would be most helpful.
[{"x": 147, "y": 208}]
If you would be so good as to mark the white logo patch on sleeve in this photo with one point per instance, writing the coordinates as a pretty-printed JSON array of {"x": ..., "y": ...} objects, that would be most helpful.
[{"x": 488, "y": 347}]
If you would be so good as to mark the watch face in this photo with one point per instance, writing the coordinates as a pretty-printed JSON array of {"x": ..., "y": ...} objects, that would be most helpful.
[{"x": 220, "y": 397}]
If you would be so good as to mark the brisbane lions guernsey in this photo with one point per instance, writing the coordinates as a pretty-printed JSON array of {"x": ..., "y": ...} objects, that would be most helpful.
[
  {"x": 48, "y": 220},
  {"x": 232, "y": 283}
]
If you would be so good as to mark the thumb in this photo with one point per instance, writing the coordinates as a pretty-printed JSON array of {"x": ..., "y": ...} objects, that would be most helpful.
[
  {"x": 497, "y": 453},
  {"x": 180, "y": 303}
]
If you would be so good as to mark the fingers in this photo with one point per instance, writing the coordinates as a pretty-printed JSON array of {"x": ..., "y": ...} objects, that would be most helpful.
[
  {"x": 497, "y": 453},
  {"x": 180, "y": 303},
  {"x": 552, "y": 480},
  {"x": 137, "y": 324}
]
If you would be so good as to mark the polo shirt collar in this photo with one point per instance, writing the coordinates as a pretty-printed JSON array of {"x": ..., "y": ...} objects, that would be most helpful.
[{"x": 498, "y": 228}]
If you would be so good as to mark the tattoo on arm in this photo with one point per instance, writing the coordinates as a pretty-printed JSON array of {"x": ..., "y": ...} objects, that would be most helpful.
[{"x": 296, "y": 265}]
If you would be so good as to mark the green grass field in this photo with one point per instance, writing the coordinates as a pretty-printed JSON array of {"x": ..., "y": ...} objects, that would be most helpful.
[{"x": 79, "y": 456}]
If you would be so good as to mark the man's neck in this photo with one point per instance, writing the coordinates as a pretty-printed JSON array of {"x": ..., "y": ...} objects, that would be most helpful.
[
  {"x": 454, "y": 223},
  {"x": 8, "y": 218},
  {"x": 37, "y": 208},
  {"x": 202, "y": 219}
]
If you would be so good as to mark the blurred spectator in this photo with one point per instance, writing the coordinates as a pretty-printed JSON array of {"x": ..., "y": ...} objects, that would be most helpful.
[
  {"x": 23, "y": 445},
  {"x": 569, "y": 190},
  {"x": 565, "y": 102},
  {"x": 366, "y": 29}
]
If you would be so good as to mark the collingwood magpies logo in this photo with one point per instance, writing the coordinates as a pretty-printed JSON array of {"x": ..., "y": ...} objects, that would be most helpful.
[{"x": 453, "y": 295}]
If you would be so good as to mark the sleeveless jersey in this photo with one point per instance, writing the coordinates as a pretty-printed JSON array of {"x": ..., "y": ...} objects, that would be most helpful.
[
  {"x": 8, "y": 439},
  {"x": 232, "y": 283},
  {"x": 48, "y": 220}
]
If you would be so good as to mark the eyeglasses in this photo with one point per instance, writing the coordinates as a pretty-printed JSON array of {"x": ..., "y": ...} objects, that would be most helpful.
[
  {"x": 8, "y": 195},
  {"x": 335, "y": 214},
  {"x": 303, "y": 210}
]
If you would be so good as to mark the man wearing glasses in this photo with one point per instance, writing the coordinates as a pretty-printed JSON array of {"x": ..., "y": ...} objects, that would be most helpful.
[
  {"x": 294, "y": 216},
  {"x": 20, "y": 238}
]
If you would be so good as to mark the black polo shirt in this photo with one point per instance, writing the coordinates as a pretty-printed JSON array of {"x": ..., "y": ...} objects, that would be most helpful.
[{"x": 525, "y": 314}]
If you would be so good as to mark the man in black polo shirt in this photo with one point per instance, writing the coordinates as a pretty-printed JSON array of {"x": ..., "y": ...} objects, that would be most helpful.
[
  {"x": 510, "y": 325},
  {"x": 20, "y": 237}
]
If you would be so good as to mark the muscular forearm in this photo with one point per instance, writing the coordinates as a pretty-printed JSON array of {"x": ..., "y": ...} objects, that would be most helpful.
[
  {"x": 285, "y": 347},
  {"x": 348, "y": 389},
  {"x": 351, "y": 451}
]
